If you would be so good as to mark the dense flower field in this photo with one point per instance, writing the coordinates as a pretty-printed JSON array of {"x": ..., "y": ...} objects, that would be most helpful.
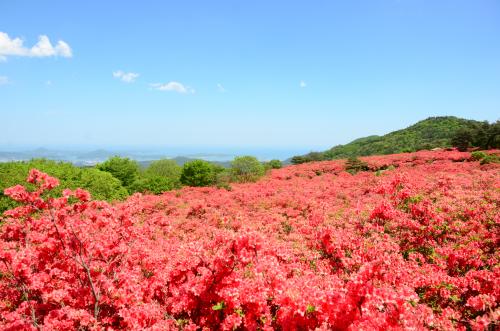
[{"x": 411, "y": 244}]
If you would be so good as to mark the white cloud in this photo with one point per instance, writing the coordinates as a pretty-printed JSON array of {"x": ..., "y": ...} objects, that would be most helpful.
[
  {"x": 43, "y": 48},
  {"x": 4, "y": 80},
  {"x": 63, "y": 49},
  {"x": 221, "y": 88},
  {"x": 11, "y": 46},
  {"x": 127, "y": 77},
  {"x": 303, "y": 84},
  {"x": 172, "y": 86}
]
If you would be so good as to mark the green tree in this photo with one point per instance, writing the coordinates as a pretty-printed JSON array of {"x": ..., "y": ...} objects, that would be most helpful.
[
  {"x": 462, "y": 139},
  {"x": 164, "y": 171},
  {"x": 430, "y": 133},
  {"x": 223, "y": 179},
  {"x": 159, "y": 176},
  {"x": 309, "y": 157},
  {"x": 247, "y": 169},
  {"x": 478, "y": 155},
  {"x": 124, "y": 169},
  {"x": 165, "y": 168},
  {"x": 298, "y": 159},
  {"x": 354, "y": 165},
  {"x": 199, "y": 173},
  {"x": 493, "y": 136},
  {"x": 148, "y": 183},
  {"x": 480, "y": 135},
  {"x": 273, "y": 164},
  {"x": 100, "y": 184}
]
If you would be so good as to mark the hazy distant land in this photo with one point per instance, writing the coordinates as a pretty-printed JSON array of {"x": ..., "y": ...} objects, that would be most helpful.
[{"x": 89, "y": 157}]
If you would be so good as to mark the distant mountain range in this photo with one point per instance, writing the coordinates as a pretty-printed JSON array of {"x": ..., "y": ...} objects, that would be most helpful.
[
  {"x": 91, "y": 158},
  {"x": 433, "y": 132}
]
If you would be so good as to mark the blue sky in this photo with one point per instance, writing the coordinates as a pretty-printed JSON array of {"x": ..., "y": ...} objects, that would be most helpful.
[{"x": 266, "y": 74}]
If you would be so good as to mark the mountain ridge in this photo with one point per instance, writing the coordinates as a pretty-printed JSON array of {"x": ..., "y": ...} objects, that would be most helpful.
[{"x": 432, "y": 132}]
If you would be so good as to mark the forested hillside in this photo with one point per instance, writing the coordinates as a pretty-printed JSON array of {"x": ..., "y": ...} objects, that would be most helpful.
[{"x": 434, "y": 132}]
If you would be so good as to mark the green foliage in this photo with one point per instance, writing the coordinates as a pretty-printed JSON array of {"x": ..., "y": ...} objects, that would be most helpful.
[
  {"x": 273, "y": 164},
  {"x": 310, "y": 309},
  {"x": 407, "y": 150},
  {"x": 159, "y": 176},
  {"x": 486, "y": 135},
  {"x": 219, "y": 306},
  {"x": 310, "y": 157},
  {"x": 152, "y": 184},
  {"x": 491, "y": 158},
  {"x": 287, "y": 227},
  {"x": 246, "y": 169},
  {"x": 478, "y": 155},
  {"x": 224, "y": 179},
  {"x": 462, "y": 139},
  {"x": 354, "y": 165},
  {"x": 165, "y": 168},
  {"x": 101, "y": 185},
  {"x": 431, "y": 133},
  {"x": 124, "y": 169},
  {"x": 199, "y": 173}
]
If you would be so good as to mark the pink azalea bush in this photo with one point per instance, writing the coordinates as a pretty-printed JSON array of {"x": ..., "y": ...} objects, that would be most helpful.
[{"x": 412, "y": 246}]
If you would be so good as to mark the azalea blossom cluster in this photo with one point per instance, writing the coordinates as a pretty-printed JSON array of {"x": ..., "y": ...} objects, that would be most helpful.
[{"x": 411, "y": 244}]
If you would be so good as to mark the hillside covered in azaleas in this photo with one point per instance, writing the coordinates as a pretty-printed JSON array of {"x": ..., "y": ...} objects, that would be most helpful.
[{"x": 410, "y": 244}]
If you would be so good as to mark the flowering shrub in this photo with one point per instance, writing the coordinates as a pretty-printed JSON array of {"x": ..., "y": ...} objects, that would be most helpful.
[{"x": 411, "y": 246}]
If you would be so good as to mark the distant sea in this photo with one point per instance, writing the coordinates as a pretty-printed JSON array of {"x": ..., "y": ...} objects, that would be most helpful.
[{"x": 91, "y": 155}]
